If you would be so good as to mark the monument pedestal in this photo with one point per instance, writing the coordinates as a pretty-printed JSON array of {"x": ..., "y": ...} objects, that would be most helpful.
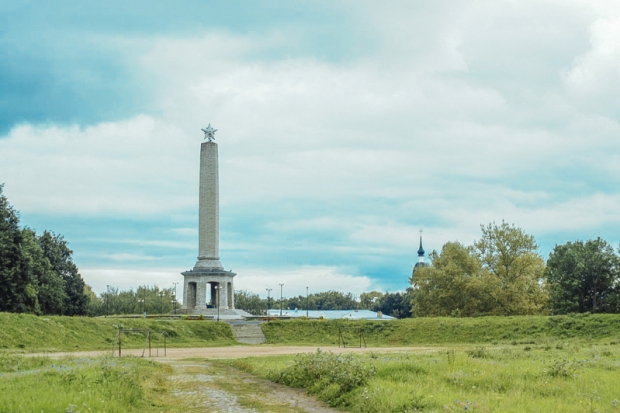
[{"x": 208, "y": 289}]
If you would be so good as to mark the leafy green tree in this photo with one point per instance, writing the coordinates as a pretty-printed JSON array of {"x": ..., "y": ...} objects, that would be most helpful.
[
  {"x": 368, "y": 300},
  {"x": 395, "y": 304},
  {"x": 250, "y": 302},
  {"x": 332, "y": 300},
  {"x": 17, "y": 288},
  {"x": 152, "y": 299},
  {"x": 96, "y": 305},
  {"x": 501, "y": 274},
  {"x": 583, "y": 276},
  {"x": 453, "y": 284},
  {"x": 511, "y": 256}
]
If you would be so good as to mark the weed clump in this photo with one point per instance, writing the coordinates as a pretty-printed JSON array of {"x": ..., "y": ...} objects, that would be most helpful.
[
  {"x": 478, "y": 353},
  {"x": 327, "y": 375},
  {"x": 564, "y": 368}
]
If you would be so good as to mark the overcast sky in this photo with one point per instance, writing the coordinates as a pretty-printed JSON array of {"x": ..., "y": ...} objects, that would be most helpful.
[{"x": 343, "y": 129}]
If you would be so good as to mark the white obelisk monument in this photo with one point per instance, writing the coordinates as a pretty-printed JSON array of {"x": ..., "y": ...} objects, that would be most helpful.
[{"x": 208, "y": 288}]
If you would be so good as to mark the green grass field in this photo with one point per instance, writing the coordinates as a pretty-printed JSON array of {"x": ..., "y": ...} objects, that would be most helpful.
[
  {"x": 443, "y": 331},
  {"x": 31, "y": 333},
  {"x": 563, "y": 377},
  {"x": 487, "y": 364},
  {"x": 103, "y": 384}
]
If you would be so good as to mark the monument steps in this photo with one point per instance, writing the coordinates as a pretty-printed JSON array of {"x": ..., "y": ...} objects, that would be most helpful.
[{"x": 248, "y": 332}]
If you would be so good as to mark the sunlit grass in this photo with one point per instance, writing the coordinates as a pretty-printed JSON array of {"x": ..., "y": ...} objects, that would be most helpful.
[
  {"x": 25, "y": 332},
  {"x": 448, "y": 330},
  {"x": 551, "y": 377},
  {"x": 34, "y": 384}
]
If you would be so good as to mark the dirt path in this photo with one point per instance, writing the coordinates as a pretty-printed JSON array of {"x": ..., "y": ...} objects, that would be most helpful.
[
  {"x": 204, "y": 386},
  {"x": 238, "y": 351}
]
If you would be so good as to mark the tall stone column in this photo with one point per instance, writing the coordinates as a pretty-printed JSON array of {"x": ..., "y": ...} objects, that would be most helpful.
[{"x": 208, "y": 209}]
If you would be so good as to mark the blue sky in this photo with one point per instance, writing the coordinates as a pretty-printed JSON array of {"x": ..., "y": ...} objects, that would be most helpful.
[{"x": 344, "y": 128}]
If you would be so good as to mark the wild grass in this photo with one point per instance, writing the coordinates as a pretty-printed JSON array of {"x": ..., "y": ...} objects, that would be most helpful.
[
  {"x": 48, "y": 333},
  {"x": 445, "y": 330},
  {"x": 71, "y": 385},
  {"x": 554, "y": 377}
]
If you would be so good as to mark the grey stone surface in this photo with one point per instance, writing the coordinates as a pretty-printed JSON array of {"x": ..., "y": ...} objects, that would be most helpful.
[
  {"x": 248, "y": 333},
  {"x": 208, "y": 209}
]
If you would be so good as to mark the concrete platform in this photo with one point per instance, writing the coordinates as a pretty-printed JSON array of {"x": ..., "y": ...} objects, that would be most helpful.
[{"x": 224, "y": 314}]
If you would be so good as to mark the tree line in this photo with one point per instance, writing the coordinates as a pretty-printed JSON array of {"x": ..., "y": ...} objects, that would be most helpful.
[
  {"x": 37, "y": 273},
  {"x": 397, "y": 304},
  {"x": 144, "y": 299},
  {"x": 504, "y": 274}
]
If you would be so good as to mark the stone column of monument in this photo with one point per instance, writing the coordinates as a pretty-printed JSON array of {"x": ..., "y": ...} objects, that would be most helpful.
[
  {"x": 209, "y": 209},
  {"x": 208, "y": 270}
]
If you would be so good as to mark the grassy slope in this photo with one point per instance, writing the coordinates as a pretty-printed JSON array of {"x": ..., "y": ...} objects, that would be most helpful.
[
  {"x": 433, "y": 331},
  {"x": 32, "y": 333}
]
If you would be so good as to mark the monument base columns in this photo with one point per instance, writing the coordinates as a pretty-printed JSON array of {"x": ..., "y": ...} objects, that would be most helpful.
[
  {"x": 201, "y": 283},
  {"x": 201, "y": 295}
]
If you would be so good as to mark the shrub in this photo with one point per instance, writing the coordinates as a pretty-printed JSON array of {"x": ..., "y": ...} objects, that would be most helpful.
[
  {"x": 564, "y": 368},
  {"x": 325, "y": 374},
  {"x": 478, "y": 353}
]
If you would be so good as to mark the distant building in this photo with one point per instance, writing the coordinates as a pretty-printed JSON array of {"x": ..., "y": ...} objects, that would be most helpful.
[{"x": 332, "y": 314}]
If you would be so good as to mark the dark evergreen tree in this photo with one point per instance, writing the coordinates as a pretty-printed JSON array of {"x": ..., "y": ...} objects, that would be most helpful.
[
  {"x": 17, "y": 290},
  {"x": 55, "y": 249},
  {"x": 49, "y": 285}
]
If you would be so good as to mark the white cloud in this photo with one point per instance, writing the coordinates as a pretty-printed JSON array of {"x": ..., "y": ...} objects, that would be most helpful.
[
  {"x": 137, "y": 166},
  {"x": 594, "y": 77},
  {"x": 458, "y": 115}
]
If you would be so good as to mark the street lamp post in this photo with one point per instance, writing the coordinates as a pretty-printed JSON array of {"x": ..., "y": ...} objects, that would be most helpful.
[
  {"x": 143, "y": 301},
  {"x": 281, "y": 299},
  {"x": 217, "y": 292},
  {"x": 174, "y": 303},
  {"x": 307, "y": 302},
  {"x": 268, "y": 296}
]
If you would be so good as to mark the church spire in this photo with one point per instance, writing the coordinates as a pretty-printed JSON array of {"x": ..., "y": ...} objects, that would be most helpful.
[
  {"x": 420, "y": 262},
  {"x": 421, "y": 250}
]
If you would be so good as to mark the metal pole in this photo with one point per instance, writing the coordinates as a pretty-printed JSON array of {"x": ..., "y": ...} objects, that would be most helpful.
[
  {"x": 281, "y": 299},
  {"x": 268, "y": 297},
  {"x": 307, "y": 302},
  {"x": 175, "y": 297},
  {"x": 218, "y": 288}
]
